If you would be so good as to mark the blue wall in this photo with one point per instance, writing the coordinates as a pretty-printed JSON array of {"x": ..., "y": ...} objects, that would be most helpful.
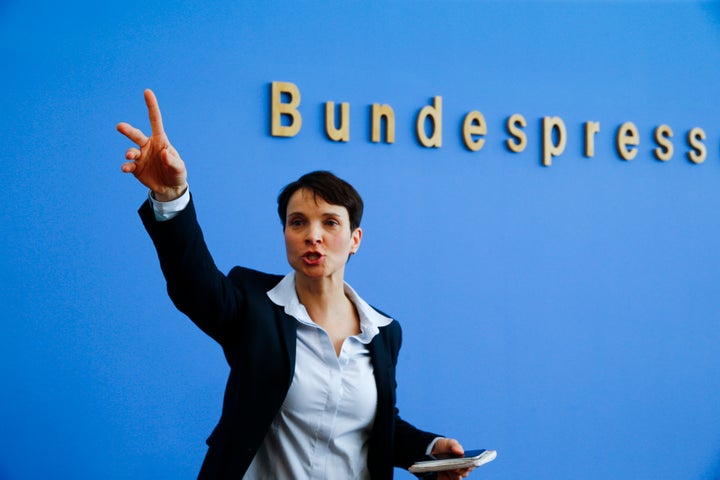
[{"x": 566, "y": 316}]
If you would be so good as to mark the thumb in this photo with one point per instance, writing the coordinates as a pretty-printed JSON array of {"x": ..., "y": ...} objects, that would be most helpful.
[
  {"x": 448, "y": 445},
  {"x": 455, "y": 447}
]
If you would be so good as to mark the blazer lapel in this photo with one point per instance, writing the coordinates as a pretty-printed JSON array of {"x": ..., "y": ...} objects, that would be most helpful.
[
  {"x": 381, "y": 441},
  {"x": 287, "y": 326}
]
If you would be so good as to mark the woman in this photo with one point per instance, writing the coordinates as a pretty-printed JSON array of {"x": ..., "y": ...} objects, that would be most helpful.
[{"x": 311, "y": 390}]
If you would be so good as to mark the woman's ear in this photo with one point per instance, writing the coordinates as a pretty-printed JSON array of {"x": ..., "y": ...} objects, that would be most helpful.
[{"x": 356, "y": 240}]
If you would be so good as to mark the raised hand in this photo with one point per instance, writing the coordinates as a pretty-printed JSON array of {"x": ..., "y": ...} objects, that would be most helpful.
[{"x": 155, "y": 162}]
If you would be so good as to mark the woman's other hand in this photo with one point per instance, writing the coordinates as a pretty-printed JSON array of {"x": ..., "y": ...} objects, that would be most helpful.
[{"x": 453, "y": 447}]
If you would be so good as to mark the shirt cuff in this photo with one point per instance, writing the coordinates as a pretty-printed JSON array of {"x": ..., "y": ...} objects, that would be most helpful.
[
  {"x": 168, "y": 210},
  {"x": 430, "y": 447}
]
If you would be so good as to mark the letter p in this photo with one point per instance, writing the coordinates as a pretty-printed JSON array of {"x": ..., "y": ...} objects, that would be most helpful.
[{"x": 551, "y": 148}]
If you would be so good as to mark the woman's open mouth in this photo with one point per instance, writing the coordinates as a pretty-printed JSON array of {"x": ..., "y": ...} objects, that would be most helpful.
[{"x": 312, "y": 256}]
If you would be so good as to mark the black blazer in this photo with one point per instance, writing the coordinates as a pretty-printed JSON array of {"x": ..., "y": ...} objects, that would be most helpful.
[{"x": 258, "y": 339}]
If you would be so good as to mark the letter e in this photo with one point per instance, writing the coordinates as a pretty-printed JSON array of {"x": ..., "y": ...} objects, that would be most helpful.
[
  {"x": 474, "y": 124},
  {"x": 627, "y": 139}
]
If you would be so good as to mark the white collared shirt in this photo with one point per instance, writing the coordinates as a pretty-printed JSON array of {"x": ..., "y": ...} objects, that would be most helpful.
[{"x": 323, "y": 428}]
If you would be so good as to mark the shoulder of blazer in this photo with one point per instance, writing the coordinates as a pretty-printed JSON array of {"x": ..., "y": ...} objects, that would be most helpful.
[
  {"x": 262, "y": 315},
  {"x": 254, "y": 279}
]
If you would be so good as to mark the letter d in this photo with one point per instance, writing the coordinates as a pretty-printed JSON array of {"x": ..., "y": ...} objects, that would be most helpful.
[{"x": 435, "y": 114}]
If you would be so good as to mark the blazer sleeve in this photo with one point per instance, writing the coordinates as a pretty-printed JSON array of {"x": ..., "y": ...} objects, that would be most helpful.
[{"x": 194, "y": 283}]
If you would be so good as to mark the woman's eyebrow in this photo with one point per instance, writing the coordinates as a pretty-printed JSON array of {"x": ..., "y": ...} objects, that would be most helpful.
[{"x": 329, "y": 213}]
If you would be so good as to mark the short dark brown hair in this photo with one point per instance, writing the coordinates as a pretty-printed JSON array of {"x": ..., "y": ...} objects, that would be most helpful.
[{"x": 332, "y": 189}]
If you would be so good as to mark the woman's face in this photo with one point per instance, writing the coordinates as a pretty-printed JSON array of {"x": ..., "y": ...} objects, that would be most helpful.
[{"x": 318, "y": 239}]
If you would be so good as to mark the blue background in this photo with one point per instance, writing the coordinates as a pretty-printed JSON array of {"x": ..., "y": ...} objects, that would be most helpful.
[{"x": 565, "y": 316}]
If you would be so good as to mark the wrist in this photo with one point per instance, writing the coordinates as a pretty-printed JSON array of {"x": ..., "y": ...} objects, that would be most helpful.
[{"x": 169, "y": 194}]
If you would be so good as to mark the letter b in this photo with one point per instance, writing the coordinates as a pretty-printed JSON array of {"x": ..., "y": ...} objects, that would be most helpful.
[{"x": 289, "y": 109}]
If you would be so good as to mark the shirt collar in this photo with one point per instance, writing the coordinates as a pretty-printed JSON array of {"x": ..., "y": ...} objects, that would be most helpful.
[{"x": 284, "y": 295}]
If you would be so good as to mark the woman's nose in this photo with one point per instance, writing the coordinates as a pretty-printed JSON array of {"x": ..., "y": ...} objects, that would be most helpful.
[{"x": 314, "y": 235}]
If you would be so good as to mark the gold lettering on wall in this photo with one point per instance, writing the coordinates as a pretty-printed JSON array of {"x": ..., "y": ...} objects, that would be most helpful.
[
  {"x": 553, "y": 127},
  {"x": 628, "y": 138},
  {"x": 515, "y": 125},
  {"x": 286, "y": 121},
  {"x": 280, "y": 109},
  {"x": 474, "y": 125},
  {"x": 380, "y": 112},
  {"x": 698, "y": 152},
  {"x": 591, "y": 129},
  {"x": 434, "y": 113},
  {"x": 341, "y": 133},
  {"x": 664, "y": 151}
]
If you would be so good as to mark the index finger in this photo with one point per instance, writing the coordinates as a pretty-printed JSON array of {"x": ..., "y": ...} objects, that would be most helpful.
[{"x": 156, "y": 124}]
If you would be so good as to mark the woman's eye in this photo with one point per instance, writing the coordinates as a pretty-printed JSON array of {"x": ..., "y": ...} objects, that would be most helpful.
[{"x": 333, "y": 223}]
